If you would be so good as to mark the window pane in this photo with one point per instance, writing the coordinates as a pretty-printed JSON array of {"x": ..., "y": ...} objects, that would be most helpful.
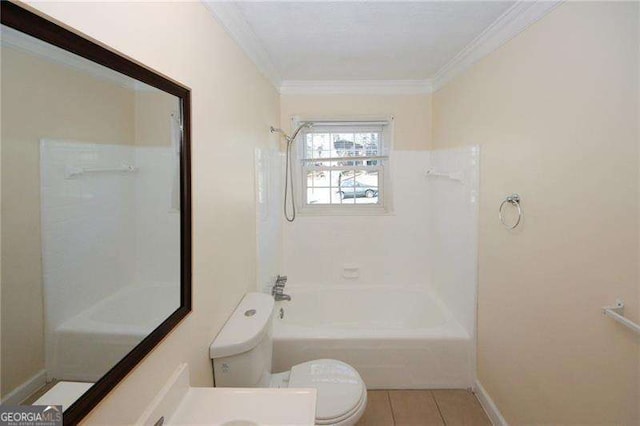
[
  {"x": 368, "y": 142},
  {"x": 318, "y": 195},
  {"x": 321, "y": 145},
  {"x": 346, "y": 188},
  {"x": 373, "y": 199},
  {"x": 366, "y": 190},
  {"x": 343, "y": 144},
  {"x": 308, "y": 146},
  {"x": 336, "y": 178},
  {"x": 318, "y": 178},
  {"x": 336, "y": 196}
]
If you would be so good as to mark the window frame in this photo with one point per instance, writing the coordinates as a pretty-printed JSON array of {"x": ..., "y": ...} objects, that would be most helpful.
[{"x": 383, "y": 168}]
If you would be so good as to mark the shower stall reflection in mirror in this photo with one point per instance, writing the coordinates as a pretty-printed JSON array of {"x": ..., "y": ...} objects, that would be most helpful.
[{"x": 19, "y": 19}]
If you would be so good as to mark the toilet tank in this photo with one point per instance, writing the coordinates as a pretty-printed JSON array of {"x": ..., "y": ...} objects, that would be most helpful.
[{"x": 241, "y": 353}]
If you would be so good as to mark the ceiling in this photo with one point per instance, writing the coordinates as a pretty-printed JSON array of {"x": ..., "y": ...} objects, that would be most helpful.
[
  {"x": 355, "y": 41},
  {"x": 366, "y": 40}
]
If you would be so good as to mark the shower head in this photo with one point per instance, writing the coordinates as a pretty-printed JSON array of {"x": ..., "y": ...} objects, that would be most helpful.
[{"x": 300, "y": 127}]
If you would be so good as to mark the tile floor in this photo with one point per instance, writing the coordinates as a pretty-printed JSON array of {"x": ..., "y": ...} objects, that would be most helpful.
[{"x": 423, "y": 407}]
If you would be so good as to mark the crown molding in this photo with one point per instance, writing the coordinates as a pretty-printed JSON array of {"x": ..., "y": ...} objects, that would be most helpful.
[
  {"x": 229, "y": 16},
  {"x": 355, "y": 87},
  {"x": 516, "y": 19},
  {"x": 508, "y": 25}
]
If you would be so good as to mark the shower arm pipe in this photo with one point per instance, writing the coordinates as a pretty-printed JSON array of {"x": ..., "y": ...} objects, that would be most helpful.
[{"x": 292, "y": 138}]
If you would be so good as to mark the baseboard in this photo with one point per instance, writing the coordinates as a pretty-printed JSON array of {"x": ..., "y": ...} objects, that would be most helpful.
[
  {"x": 26, "y": 389},
  {"x": 489, "y": 406}
]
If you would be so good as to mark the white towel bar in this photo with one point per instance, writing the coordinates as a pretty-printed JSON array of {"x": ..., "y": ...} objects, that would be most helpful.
[{"x": 616, "y": 313}]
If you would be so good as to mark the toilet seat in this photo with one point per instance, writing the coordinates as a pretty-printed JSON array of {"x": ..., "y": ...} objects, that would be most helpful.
[
  {"x": 348, "y": 419},
  {"x": 342, "y": 394}
]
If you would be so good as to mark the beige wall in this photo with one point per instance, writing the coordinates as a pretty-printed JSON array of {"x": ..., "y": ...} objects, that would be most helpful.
[
  {"x": 411, "y": 130},
  {"x": 41, "y": 99},
  {"x": 555, "y": 112},
  {"x": 233, "y": 106}
]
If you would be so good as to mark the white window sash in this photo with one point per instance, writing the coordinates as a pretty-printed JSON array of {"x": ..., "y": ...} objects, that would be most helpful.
[
  {"x": 362, "y": 158},
  {"x": 378, "y": 169},
  {"x": 309, "y": 164}
]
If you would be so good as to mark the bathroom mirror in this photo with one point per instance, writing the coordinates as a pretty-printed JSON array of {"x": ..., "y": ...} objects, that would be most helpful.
[{"x": 96, "y": 214}]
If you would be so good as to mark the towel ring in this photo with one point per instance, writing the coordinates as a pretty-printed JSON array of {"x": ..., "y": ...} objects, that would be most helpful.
[{"x": 514, "y": 200}]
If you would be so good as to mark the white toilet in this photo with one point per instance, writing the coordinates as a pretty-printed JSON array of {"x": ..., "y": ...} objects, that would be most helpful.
[{"x": 242, "y": 353}]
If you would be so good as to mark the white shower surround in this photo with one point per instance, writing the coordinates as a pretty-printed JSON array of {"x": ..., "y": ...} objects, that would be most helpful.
[
  {"x": 104, "y": 235},
  {"x": 426, "y": 248},
  {"x": 269, "y": 163}
]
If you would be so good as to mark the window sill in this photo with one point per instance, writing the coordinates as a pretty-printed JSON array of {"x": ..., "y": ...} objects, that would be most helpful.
[{"x": 355, "y": 211}]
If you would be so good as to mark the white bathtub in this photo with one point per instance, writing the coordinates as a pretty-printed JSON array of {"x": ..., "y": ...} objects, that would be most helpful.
[
  {"x": 87, "y": 345},
  {"x": 397, "y": 337}
]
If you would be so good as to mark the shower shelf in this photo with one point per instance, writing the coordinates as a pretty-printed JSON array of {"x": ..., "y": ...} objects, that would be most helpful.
[
  {"x": 457, "y": 176},
  {"x": 72, "y": 172}
]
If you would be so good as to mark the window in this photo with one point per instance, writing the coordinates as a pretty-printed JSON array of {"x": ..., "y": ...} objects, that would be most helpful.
[{"x": 344, "y": 165}]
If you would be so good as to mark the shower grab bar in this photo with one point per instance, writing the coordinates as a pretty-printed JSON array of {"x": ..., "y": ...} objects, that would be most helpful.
[
  {"x": 616, "y": 313},
  {"x": 79, "y": 171}
]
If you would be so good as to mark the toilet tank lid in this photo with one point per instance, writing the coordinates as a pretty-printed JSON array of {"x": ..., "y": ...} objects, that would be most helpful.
[{"x": 245, "y": 328}]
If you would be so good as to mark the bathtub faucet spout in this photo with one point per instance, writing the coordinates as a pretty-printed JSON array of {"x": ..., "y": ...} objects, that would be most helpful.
[{"x": 277, "y": 291}]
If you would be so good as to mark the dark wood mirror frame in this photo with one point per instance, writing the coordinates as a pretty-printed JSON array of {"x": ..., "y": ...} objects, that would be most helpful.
[{"x": 16, "y": 17}]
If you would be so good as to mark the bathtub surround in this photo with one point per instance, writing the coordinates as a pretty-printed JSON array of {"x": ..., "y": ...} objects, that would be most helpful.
[
  {"x": 453, "y": 197},
  {"x": 555, "y": 112},
  {"x": 269, "y": 172},
  {"x": 116, "y": 231},
  {"x": 355, "y": 280},
  {"x": 102, "y": 206},
  {"x": 424, "y": 248},
  {"x": 377, "y": 249}
]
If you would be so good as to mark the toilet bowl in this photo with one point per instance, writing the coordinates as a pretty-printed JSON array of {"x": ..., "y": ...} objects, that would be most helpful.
[{"x": 241, "y": 355}]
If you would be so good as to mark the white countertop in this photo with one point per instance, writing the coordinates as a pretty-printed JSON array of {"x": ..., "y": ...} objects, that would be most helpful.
[
  {"x": 246, "y": 406},
  {"x": 180, "y": 404}
]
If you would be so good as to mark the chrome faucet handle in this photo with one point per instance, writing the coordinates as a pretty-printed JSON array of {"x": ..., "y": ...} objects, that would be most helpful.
[{"x": 275, "y": 289}]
